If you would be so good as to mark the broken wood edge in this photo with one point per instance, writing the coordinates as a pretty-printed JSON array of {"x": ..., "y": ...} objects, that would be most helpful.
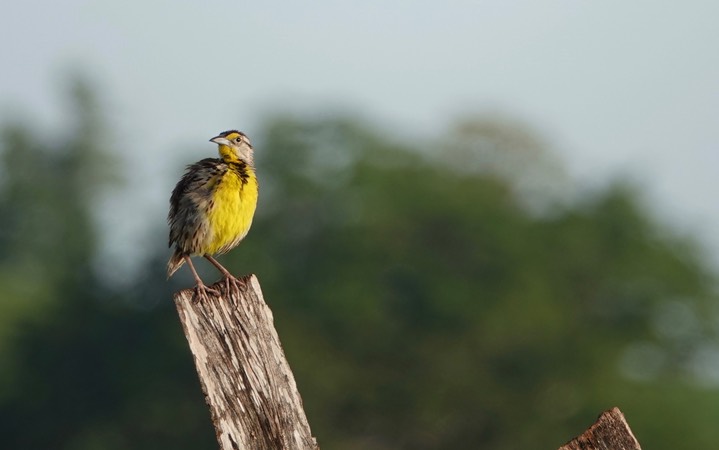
[
  {"x": 256, "y": 329},
  {"x": 610, "y": 432}
]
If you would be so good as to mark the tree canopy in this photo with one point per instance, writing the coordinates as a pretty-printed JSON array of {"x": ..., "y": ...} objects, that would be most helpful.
[{"x": 455, "y": 292}]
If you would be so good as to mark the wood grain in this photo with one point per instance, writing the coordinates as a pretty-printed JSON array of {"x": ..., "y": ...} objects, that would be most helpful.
[
  {"x": 244, "y": 374},
  {"x": 609, "y": 432}
]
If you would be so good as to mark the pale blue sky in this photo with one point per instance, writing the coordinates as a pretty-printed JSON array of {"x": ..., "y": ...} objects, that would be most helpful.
[{"x": 628, "y": 86}]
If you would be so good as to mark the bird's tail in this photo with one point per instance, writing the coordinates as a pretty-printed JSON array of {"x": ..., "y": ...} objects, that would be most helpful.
[{"x": 176, "y": 261}]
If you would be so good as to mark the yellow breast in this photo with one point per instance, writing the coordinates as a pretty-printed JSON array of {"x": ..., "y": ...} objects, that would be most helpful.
[{"x": 233, "y": 207}]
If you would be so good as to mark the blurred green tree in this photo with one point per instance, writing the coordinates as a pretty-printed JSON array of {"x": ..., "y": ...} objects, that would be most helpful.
[
  {"x": 459, "y": 294},
  {"x": 80, "y": 370},
  {"x": 453, "y": 293}
]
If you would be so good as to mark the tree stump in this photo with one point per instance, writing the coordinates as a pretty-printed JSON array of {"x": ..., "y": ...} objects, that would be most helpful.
[
  {"x": 609, "y": 432},
  {"x": 247, "y": 382}
]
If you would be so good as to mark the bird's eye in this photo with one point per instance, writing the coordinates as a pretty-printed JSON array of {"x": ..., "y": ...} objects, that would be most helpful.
[{"x": 238, "y": 140}]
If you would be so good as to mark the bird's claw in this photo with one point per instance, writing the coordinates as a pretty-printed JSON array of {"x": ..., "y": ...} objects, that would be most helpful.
[
  {"x": 232, "y": 284},
  {"x": 201, "y": 292}
]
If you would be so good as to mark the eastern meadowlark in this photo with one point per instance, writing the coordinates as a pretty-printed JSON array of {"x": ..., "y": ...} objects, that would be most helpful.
[{"x": 212, "y": 206}]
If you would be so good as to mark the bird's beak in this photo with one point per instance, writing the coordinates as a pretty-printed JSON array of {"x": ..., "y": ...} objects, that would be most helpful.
[{"x": 220, "y": 140}]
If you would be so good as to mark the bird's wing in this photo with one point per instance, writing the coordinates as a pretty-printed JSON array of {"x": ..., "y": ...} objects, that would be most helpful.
[{"x": 192, "y": 195}]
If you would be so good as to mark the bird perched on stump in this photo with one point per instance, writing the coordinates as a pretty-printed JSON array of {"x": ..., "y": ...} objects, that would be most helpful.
[{"x": 212, "y": 206}]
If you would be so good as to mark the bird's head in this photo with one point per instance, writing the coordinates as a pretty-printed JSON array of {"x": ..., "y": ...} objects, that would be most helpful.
[{"x": 234, "y": 146}]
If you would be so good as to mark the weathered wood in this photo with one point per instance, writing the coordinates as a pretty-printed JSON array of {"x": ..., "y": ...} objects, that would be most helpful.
[
  {"x": 246, "y": 379},
  {"x": 609, "y": 432}
]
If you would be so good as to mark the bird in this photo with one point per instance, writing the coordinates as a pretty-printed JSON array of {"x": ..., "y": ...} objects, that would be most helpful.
[{"x": 212, "y": 207}]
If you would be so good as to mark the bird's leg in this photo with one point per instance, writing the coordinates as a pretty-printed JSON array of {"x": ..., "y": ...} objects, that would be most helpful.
[
  {"x": 219, "y": 266},
  {"x": 201, "y": 290},
  {"x": 229, "y": 278}
]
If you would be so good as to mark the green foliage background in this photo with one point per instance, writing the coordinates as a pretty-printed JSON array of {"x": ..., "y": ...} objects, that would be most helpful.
[{"x": 455, "y": 294}]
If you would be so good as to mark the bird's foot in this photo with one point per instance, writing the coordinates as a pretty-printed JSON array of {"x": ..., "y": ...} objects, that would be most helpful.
[
  {"x": 202, "y": 291},
  {"x": 233, "y": 284}
]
